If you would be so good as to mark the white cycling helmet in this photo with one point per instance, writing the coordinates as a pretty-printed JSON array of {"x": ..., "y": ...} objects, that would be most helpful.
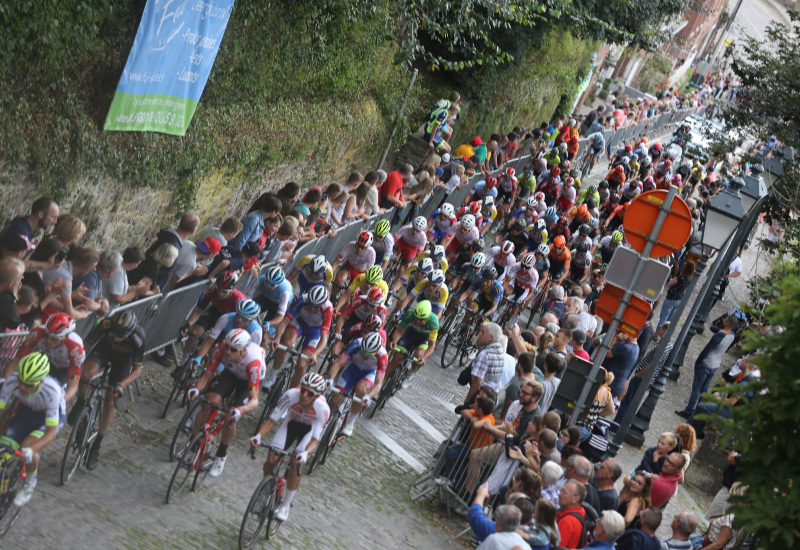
[
  {"x": 488, "y": 202},
  {"x": 319, "y": 265},
  {"x": 237, "y": 339},
  {"x": 425, "y": 265},
  {"x": 317, "y": 296},
  {"x": 371, "y": 343},
  {"x": 507, "y": 247},
  {"x": 467, "y": 222},
  {"x": 436, "y": 277},
  {"x": 420, "y": 223},
  {"x": 527, "y": 260},
  {"x": 543, "y": 249},
  {"x": 313, "y": 381},
  {"x": 532, "y": 202},
  {"x": 447, "y": 210},
  {"x": 478, "y": 260}
]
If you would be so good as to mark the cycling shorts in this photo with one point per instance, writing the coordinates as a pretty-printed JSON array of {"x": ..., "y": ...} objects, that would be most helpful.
[
  {"x": 292, "y": 431},
  {"x": 120, "y": 365},
  {"x": 304, "y": 284},
  {"x": 437, "y": 139},
  {"x": 209, "y": 318},
  {"x": 411, "y": 340},
  {"x": 482, "y": 303},
  {"x": 352, "y": 375},
  {"x": 502, "y": 194},
  {"x": 27, "y": 422},
  {"x": 407, "y": 251},
  {"x": 352, "y": 272},
  {"x": 519, "y": 293},
  {"x": 436, "y": 234},
  {"x": 524, "y": 192},
  {"x": 348, "y": 325},
  {"x": 268, "y": 307},
  {"x": 310, "y": 334},
  {"x": 228, "y": 383}
]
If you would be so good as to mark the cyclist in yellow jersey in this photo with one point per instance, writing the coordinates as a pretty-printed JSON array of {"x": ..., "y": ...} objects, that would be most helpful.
[
  {"x": 432, "y": 289},
  {"x": 413, "y": 274},
  {"x": 437, "y": 255},
  {"x": 372, "y": 277},
  {"x": 489, "y": 213},
  {"x": 311, "y": 270}
]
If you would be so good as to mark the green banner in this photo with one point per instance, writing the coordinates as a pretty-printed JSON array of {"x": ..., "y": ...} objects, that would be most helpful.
[{"x": 151, "y": 113}]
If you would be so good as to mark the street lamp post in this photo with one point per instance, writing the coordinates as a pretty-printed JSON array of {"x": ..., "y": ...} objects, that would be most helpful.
[{"x": 723, "y": 218}]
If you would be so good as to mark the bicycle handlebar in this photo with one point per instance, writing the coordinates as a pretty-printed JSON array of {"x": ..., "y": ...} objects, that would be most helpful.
[{"x": 292, "y": 352}]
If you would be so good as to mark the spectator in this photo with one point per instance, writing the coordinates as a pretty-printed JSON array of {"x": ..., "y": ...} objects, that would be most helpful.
[
  {"x": 676, "y": 287},
  {"x": 683, "y": 525},
  {"x": 266, "y": 206},
  {"x": 71, "y": 298},
  {"x": 483, "y": 527},
  {"x": 224, "y": 233},
  {"x": 11, "y": 271},
  {"x": 654, "y": 456},
  {"x": 391, "y": 195},
  {"x": 488, "y": 363},
  {"x": 192, "y": 260},
  {"x": 580, "y": 469},
  {"x": 609, "y": 528},
  {"x": 603, "y": 405},
  {"x": 746, "y": 376},
  {"x": 571, "y": 516},
  {"x": 69, "y": 230},
  {"x": 569, "y": 436},
  {"x": 160, "y": 257},
  {"x": 551, "y": 473},
  {"x": 478, "y": 437},
  {"x": 507, "y": 520},
  {"x": 644, "y": 538},
  {"x": 13, "y": 246},
  {"x": 86, "y": 282},
  {"x": 548, "y": 447},
  {"x": 553, "y": 364},
  {"x": 666, "y": 483},
  {"x": 641, "y": 368},
  {"x": 34, "y": 227},
  {"x": 47, "y": 253},
  {"x": 116, "y": 288},
  {"x": 606, "y": 474},
  {"x": 577, "y": 342},
  {"x": 525, "y": 369},
  {"x": 290, "y": 193},
  {"x": 635, "y": 497},
  {"x": 620, "y": 360},
  {"x": 689, "y": 442}
]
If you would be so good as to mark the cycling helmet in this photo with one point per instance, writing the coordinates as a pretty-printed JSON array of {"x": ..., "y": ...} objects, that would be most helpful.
[
  {"x": 373, "y": 322},
  {"x": 625, "y": 160},
  {"x": 603, "y": 185},
  {"x": 506, "y": 247},
  {"x": 420, "y": 223},
  {"x": 560, "y": 241},
  {"x": 539, "y": 225},
  {"x": 532, "y": 202},
  {"x": 644, "y": 139},
  {"x": 371, "y": 343},
  {"x": 438, "y": 252},
  {"x": 475, "y": 207},
  {"x": 59, "y": 325},
  {"x": 491, "y": 183},
  {"x": 518, "y": 225},
  {"x": 584, "y": 229},
  {"x": 583, "y": 210},
  {"x": 227, "y": 280},
  {"x": 376, "y": 296},
  {"x": 561, "y": 222},
  {"x": 527, "y": 175},
  {"x": 374, "y": 275},
  {"x": 479, "y": 243},
  {"x": 527, "y": 260},
  {"x": 123, "y": 323},
  {"x": 319, "y": 264},
  {"x": 677, "y": 178},
  {"x": 543, "y": 249},
  {"x": 383, "y": 227},
  {"x": 238, "y": 339},
  {"x": 628, "y": 148},
  {"x": 555, "y": 171},
  {"x": 467, "y": 222},
  {"x": 510, "y": 172},
  {"x": 364, "y": 238},
  {"x": 447, "y": 210},
  {"x": 591, "y": 190},
  {"x": 436, "y": 277},
  {"x": 539, "y": 196},
  {"x": 422, "y": 310},
  {"x": 550, "y": 213},
  {"x": 247, "y": 309},
  {"x": 657, "y": 146},
  {"x": 314, "y": 382},
  {"x": 488, "y": 202},
  {"x": 594, "y": 222},
  {"x": 583, "y": 247},
  {"x": 275, "y": 276},
  {"x": 489, "y": 273},
  {"x": 616, "y": 237},
  {"x": 425, "y": 265},
  {"x": 668, "y": 163},
  {"x": 591, "y": 204},
  {"x": 569, "y": 181},
  {"x": 648, "y": 181},
  {"x": 317, "y": 296},
  {"x": 574, "y": 173},
  {"x": 478, "y": 260},
  {"x": 33, "y": 368},
  {"x": 598, "y": 138}
]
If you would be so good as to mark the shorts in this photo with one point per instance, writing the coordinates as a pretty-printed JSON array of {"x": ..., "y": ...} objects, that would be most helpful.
[
  {"x": 310, "y": 334},
  {"x": 519, "y": 293},
  {"x": 289, "y": 432},
  {"x": 268, "y": 307},
  {"x": 352, "y": 375},
  {"x": 437, "y": 139},
  {"x": 120, "y": 365},
  {"x": 352, "y": 272},
  {"x": 227, "y": 383},
  {"x": 349, "y": 323},
  {"x": 209, "y": 318},
  {"x": 411, "y": 340},
  {"x": 27, "y": 422},
  {"x": 303, "y": 285},
  {"x": 502, "y": 194},
  {"x": 524, "y": 192},
  {"x": 483, "y": 304},
  {"x": 406, "y": 251},
  {"x": 436, "y": 235}
]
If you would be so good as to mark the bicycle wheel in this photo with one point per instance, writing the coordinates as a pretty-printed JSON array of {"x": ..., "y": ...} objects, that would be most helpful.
[
  {"x": 178, "y": 388},
  {"x": 76, "y": 447},
  {"x": 453, "y": 344},
  {"x": 183, "y": 469},
  {"x": 256, "y": 513},
  {"x": 325, "y": 364},
  {"x": 9, "y": 512},
  {"x": 341, "y": 417},
  {"x": 275, "y": 392},
  {"x": 183, "y": 433},
  {"x": 324, "y": 441},
  {"x": 387, "y": 390}
]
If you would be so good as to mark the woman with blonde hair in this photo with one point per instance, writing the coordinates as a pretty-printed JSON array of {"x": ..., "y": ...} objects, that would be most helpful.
[
  {"x": 69, "y": 230},
  {"x": 603, "y": 405}
]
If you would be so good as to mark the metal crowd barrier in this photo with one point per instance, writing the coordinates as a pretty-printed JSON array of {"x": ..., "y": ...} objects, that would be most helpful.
[
  {"x": 169, "y": 314},
  {"x": 10, "y": 342}
]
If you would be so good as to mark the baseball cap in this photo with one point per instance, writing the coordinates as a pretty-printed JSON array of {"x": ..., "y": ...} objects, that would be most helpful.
[
  {"x": 14, "y": 243},
  {"x": 579, "y": 336},
  {"x": 477, "y": 141},
  {"x": 445, "y": 158},
  {"x": 209, "y": 246}
]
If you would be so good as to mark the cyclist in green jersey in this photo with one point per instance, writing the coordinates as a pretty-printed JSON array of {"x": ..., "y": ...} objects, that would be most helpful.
[{"x": 417, "y": 330}]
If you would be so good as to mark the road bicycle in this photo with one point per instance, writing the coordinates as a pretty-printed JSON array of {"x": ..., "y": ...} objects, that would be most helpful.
[
  {"x": 453, "y": 317},
  {"x": 282, "y": 380},
  {"x": 459, "y": 346},
  {"x": 185, "y": 378},
  {"x": 197, "y": 456},
  {"x": 84, "y": 430},
  {"x": 332, "y": 433},
  {"x": 266, "y": 499},
  {"x": 400, "y": 375},
  {"x": 12, "y": 474}
]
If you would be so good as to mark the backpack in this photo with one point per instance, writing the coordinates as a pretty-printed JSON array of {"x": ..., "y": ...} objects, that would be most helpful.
[{"x": 588, "y": 521}]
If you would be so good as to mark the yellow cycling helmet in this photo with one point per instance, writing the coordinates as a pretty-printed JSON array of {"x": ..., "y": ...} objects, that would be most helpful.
[
  {"x": 422, "y": 310},
  {"x": 33, "y": 368},
  {"x": 374, "y": 275}
]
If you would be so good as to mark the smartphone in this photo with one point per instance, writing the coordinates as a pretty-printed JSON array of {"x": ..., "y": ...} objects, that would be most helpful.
[
  {"x": 511, "y": 323},
  {"x": 62, "y": 255},
  {"x": 509, "y": 443}
]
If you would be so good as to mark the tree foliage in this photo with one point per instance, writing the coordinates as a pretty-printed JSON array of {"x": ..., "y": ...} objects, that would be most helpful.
[{"x": 765, "y": 428}]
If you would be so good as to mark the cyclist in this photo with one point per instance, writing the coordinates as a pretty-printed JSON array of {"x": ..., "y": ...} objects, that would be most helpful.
[
  {"x": 371, "y": 278},
  {"x": 63, "y": 347},
  {"x": 117, "y": 343},
  {"x": 517, "y": 236},
  {"x": 502, "y": 256},
  {"x": 542, "y": 203},
  {"x": 243, "y": 362},
  {"x": 442, "y": 220},
  {"x": 662, "y": 172},
  {"x": 507, "y": 187},
  {"x": 525, "y": 280},
  {"x": 559, "y": 259},
  {"x": 432, "y": 289},
  {"x": 310, "y": 271},
  {"x": 219, "y": 298},
  {"x": 608, "y": 245},
  {"x": 411, "y": 240},
  {"x": 437, "y": 256},
  {"x": 463, "y": 256},
  {"x": 373, "y": 323},
  {"x": 486, "y": 293},
  {"x": 272, "y": 295},
  {"x": 527, "y": 184},
  {"x": 581, "y": 263},
  {"x": 306, "y": 412},
  {"x": 357, "y": 311},
  {"x": 37, "y": 420},
  {"x": 469, "y": 273},
  {"x": 588, "y": 193},
  {"x": 542, "y": 264},
  {"x": 355, "y": 258},
  {"x": 630, "y": 192},
  {"x": 579, "y": 215},
  {"x": 475, "y": 208},
  {"x": 416, "y": 332},
  {"x": 527, "y": 213},
  {"x": 413, "y": 275},
  {"x": 245, "y": 318},
  {"x": 583, "y": 235},
  {"x": 566, "y": 200},
  {"x": 483, "y": 189},
  {"x": 364, "y": 362},
  {"x": 383, "y": 243},
  {"x": 655, "y": 152},
  {"x": 594, "y": 151},
  {"x": 310, "y": 317},
  {"x": 464, "y": 234},
  {"x": 560, "y": 228},
  {"x": 550, "y": 185},
  {"x": 537, "y": 234},
  {"x": 615, "y": 177},
  {"x": 488, "y": 214}
]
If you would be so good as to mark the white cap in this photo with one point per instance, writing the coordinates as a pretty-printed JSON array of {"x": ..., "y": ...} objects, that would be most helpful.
[{"x": 445, "y": 158}]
